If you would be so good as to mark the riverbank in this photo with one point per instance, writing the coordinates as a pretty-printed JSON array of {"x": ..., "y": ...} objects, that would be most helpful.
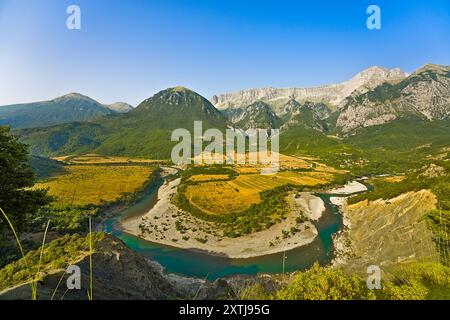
[
  {"x": 350, "y": 188},
  {"x": 311, "y": 206},
  {"x": 166, "y": 224}
]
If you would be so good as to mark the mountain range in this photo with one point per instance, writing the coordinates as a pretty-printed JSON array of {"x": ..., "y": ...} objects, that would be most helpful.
[
  {"x": 424, "y": 94},
  {"x": 332, "y": 94},
  {"x": 68, "y": 108},
  {"x": 404, "y": 110},
  {"x": 373, "y": 97},
  {"x": 144, "y": 131}
]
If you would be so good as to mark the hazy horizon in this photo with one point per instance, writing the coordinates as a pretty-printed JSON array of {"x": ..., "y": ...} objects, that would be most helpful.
[{"x": 128, "y": 51}]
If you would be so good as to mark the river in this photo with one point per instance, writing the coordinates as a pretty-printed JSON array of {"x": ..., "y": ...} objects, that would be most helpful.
[{"x": 197, "y": 264}]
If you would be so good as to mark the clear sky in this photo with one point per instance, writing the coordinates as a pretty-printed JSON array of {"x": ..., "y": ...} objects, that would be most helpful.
[{"x": 129, "y": 50}]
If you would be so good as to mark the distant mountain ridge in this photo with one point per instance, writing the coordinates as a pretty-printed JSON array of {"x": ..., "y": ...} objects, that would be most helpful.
[
  {"x": 68, "y": 108},
  {"x": 381, "y": 96},
  {"x": 332, "y": 94},
  {"x": 424, "y": 94}
]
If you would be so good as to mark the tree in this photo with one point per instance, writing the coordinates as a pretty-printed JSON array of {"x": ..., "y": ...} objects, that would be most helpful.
[{"x": 16, "y": 177}]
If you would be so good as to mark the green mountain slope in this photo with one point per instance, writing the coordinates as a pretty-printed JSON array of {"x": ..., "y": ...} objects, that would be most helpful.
[
  {"x": 64, "y": 139},
  {"x": 402, "y": 144},
  {"x": 394, "y": 147},
  {"x": 143, "y": 132},
  {"x": 404, "y": 135},
  {"x": 65, "y": 109},
  {"x": 45, "y": 168},
  {"x": 146, "y": 131}
]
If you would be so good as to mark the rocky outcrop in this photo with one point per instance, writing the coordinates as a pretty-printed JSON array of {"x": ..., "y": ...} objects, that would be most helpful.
[
  {"x": 386, "y": 232},
  {"x": 258, "y": 115},
  {"x": 119, "y": 273},
  {"x": 308, "y": 114}
]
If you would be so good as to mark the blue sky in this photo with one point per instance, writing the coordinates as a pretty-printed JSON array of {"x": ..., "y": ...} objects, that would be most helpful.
[{"x": 129, "y": 50}]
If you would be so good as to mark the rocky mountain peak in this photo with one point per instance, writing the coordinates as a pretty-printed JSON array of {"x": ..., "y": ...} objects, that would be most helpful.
[
  {"x": 424, "y": 94},
  {"x": 381, "y": 72},
  {"x": 434, "y": 67},
  {"x": 120, "y": 107},
  {"x": 74, "y": 96},
  {"x": 178, "y": 107},
  {"x": 308, "y": 114},
  {"x": 175, "y": 96},
  {"x": 367, "y": 80},
  {"x": 374, "y": 76}
]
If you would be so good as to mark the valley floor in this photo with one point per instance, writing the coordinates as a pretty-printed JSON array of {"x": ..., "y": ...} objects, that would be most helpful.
[{"x": 162, "y": 225}]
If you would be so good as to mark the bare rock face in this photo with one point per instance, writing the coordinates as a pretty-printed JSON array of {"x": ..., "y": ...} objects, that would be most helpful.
[
  {"x": 332, "y": 94},
  {"x": 308, "y": 114},
  {"x": 381, "y": 232},
  {"x": 424, "y": 94},
  {"x": 258, "y": 115},
  {"x": 119, "y": 273}
]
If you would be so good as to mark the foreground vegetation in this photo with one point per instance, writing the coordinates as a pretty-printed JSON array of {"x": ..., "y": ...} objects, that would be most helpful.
[
  {"x": 56, "y": 255},
  {"x": 412, "y": 281},
  {"x": 415, "y": 281}
]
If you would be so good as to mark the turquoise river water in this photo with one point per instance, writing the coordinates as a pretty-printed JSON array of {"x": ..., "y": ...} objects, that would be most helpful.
[{"x": 203, "y": 265}]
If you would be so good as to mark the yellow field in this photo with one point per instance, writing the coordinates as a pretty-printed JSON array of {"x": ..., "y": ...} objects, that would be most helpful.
[
  {"x": 223, "y": 197},
  {"x": 84, "y": 184},
  {"x": 285, "y": 161},
  {"x": 248, "y": 170},
  {"x": 293, "y": 162},
  {"x": 220, "y": 197},
  {"x": 208, "y": 177},
  {"x": 394, "y": 179}
]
